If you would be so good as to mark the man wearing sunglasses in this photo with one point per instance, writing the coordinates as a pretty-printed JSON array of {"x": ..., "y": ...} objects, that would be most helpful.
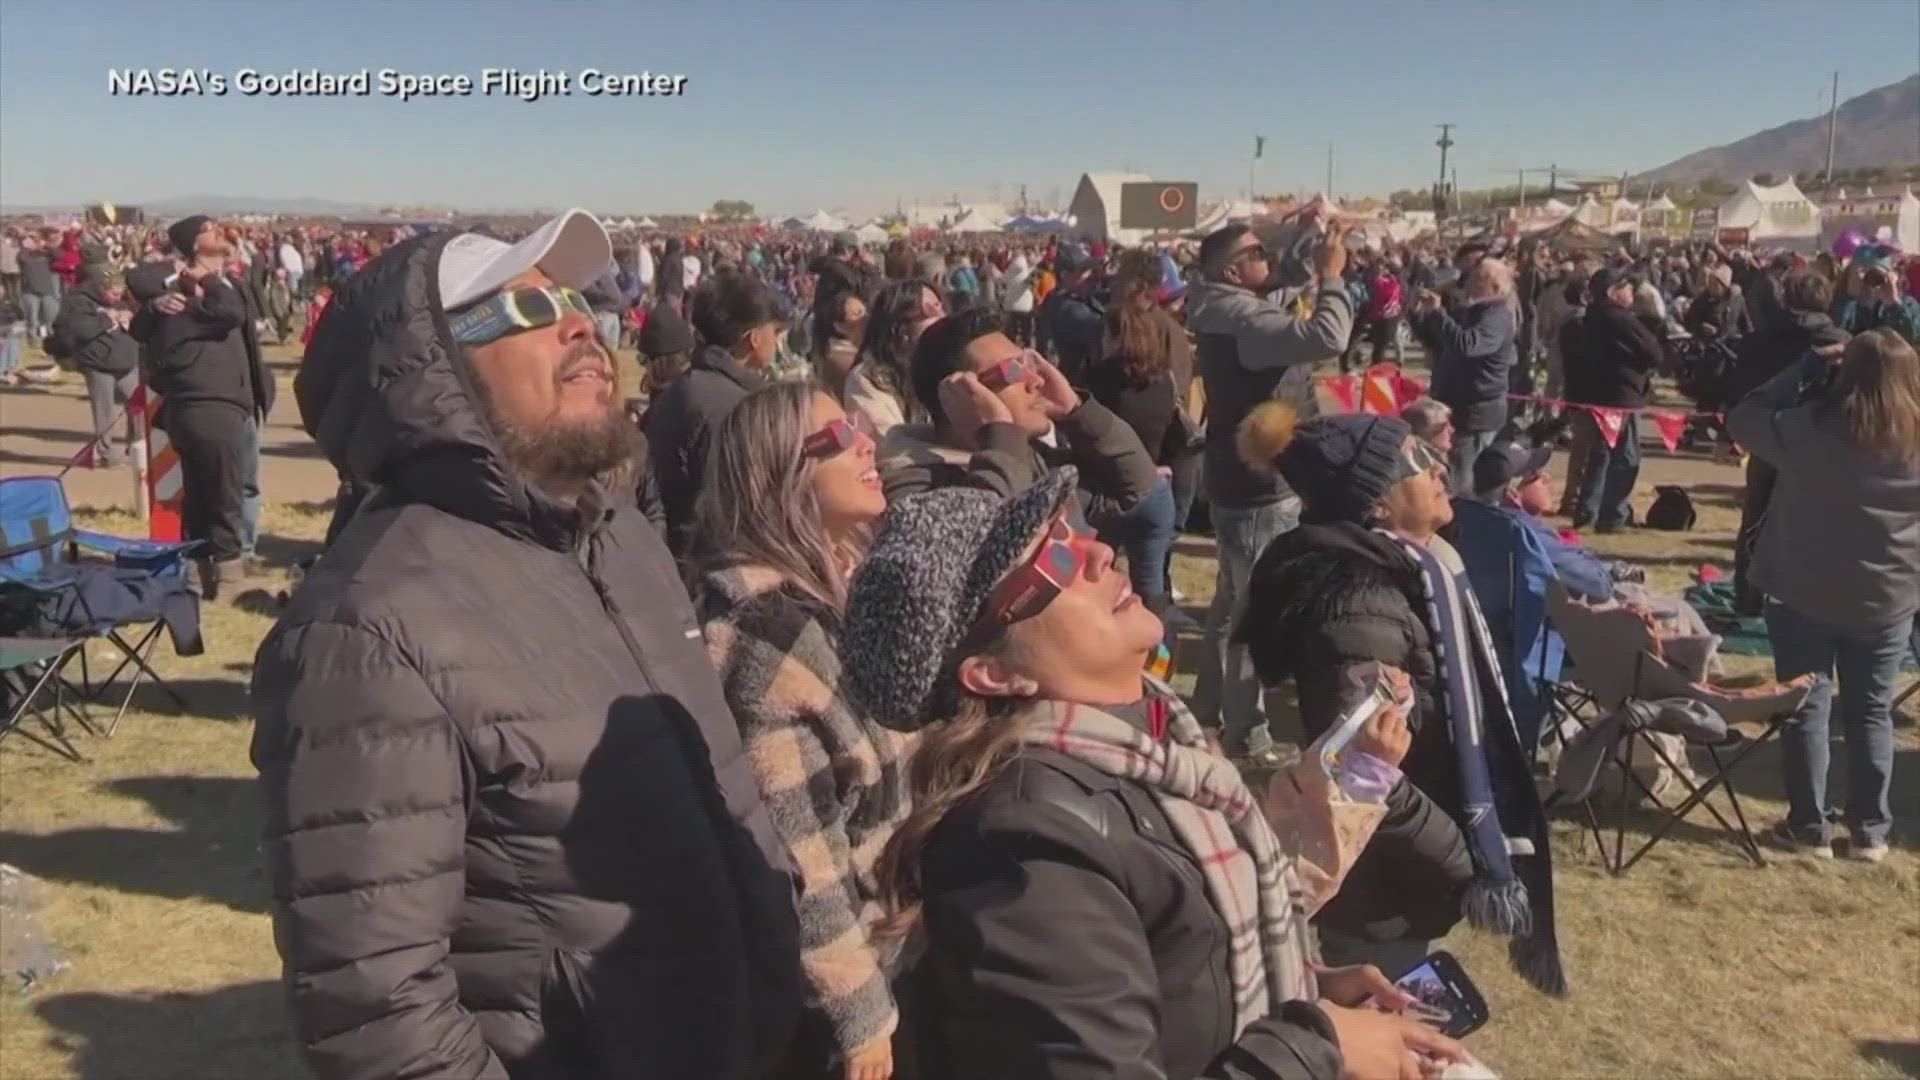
[
  {"x": 511, "y": 828},
  {"x": 1250, "y": 346}
]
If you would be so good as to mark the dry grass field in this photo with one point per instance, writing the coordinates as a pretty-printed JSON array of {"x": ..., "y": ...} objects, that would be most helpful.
[{"x": 1695, "y": 965}]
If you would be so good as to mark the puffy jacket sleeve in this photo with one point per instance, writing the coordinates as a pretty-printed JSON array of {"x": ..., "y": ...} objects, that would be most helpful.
[
  {"x": 366, "y": 785},
  {"x": 222, "y": 304},
  {"x": 1044, "y": 968}
]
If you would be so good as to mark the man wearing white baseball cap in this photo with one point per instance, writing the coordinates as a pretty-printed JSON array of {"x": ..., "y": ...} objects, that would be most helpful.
[{"x": 511, "y": 829}]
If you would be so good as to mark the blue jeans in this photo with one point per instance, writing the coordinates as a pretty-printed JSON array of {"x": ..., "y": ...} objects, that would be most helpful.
[
  {"x": 12, "y": 344},
  {"x": 40, "y": 311},
  {"x": 1227, "y": 690},
  {"x": 1867, "y": 661},
  {"x": 250, "y": 489},
  {"x": 1608, "y": 473},
  {"x": 1144, "y": 532},
  {"x": 1467, "y": 446}
]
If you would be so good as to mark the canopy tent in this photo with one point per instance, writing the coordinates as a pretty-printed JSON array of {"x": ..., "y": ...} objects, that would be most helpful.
[
  {"x": 1555, "y": 206},
  {"x": 1226, "y": 213},
  {"x": 648, "y": 223},
  {"x": 971, "y": 221},
  {"x": 1777, "y": 216},
  {"x": 1591, "y": 213},
  {"x": 1572, "y": 234},
  {"x": 626, "y": 223},
  {"x": 1033, "y": 223},
  {"x": 1662, "y": 204},
  {"x": 1094, "y": 212},
  {"x": 871, "y": 233}
]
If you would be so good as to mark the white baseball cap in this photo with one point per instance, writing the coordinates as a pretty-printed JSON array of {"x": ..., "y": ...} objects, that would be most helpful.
[{"x": 573, "y": 249}]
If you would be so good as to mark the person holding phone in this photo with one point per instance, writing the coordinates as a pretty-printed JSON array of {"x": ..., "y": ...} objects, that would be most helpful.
[
  {"x": 1366, "y": 580},
  {"x": 1076, "y": 847}
]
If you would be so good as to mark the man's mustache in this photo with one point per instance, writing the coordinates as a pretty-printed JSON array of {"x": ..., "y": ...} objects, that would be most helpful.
[{"x": 582, "y": 353}]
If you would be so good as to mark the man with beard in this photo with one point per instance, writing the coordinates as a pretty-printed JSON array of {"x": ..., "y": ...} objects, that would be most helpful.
[
  {"x": 203, "y": 359},
  {"x": 511, "y": 827}
]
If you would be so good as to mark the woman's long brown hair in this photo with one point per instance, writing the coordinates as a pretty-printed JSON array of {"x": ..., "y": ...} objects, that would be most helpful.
[
  {"x": 1139, "y": 346},
  {"x": 1876, "y": 395},
  {"x": 954, "y": 761}
]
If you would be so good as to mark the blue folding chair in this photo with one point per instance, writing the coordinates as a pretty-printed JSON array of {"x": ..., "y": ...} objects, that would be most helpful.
[{"x": 41, "y": 560}]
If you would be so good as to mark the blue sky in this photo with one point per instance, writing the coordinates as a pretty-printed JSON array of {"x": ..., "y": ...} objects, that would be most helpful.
[{"x": 849, "y": 104}]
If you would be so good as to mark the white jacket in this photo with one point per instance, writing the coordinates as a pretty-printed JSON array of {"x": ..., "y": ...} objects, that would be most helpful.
[{"x": 1017, "y": 287}]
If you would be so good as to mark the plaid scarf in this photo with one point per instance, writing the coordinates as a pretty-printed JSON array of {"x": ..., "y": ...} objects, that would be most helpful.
[
  {"x": 1505, "y": 829},
  {"x": 1249, "y": 879}
]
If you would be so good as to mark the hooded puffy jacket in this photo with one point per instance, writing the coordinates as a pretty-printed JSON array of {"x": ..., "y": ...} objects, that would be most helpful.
[{"x": 511, "y": 829}]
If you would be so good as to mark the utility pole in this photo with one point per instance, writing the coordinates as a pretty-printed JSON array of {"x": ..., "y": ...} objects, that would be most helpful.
[
  {"x": 1553, "y": 181},
  {"x": 1445, "y": 143},
  {"x": 1833, "y": 127}
]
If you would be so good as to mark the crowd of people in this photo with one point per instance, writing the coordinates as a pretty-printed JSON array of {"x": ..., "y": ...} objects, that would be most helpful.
[{"x": 801, "y": 713}]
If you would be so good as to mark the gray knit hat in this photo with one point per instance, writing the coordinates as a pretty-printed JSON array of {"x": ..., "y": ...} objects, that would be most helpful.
[{"x": 921, "y": 588}]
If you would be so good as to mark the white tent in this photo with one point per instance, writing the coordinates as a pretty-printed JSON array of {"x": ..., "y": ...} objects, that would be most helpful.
[
  {"x": 1777, "y": 216},
  {"x": 626, "y": 223},
  {"x": 1555, "y": 207},
  {"x": 1590, "y": 212},
  {"x": 871, "y": 233},
  {"x": 971, "y": 221},
  {"x": 821, "y": 221},
  {"x": 1226, "y": 213},
  {"x": 1888, "y": 219},
  {"x": 1094, "y": 212},
  {"x": 1662, "y": 204},
  {"x": 647, "y": 223}
]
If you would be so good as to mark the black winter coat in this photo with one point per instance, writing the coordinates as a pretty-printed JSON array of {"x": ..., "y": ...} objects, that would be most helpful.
[
  {"x": 1613, "y": 359},
  {"x": 1782, "y": 343},
  {"x": 209, "y": 352},
  {"x": 85, "y": 333},
  {"x": 1069, "y": 937},
  {"x": 1324, "y": 597},
  {"x": 680, "y": 423},
  {"x": 511, "y": 828}
]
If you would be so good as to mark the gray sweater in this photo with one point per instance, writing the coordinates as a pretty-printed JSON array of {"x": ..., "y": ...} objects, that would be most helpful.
[{"x": 1841, "y": 540}]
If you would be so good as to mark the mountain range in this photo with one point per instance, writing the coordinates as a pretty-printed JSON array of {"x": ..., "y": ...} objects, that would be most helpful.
[{"x": 1880, "y": 127}]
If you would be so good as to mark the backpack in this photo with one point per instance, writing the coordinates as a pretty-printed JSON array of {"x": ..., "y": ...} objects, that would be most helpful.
[{"x": 1672, "y": 509}]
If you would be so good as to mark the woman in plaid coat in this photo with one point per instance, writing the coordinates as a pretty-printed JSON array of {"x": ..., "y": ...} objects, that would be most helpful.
[{"x": 791, "y": 493}]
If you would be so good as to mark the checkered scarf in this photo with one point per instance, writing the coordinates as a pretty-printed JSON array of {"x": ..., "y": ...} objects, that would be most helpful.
[{"x": 1249, "y": 879}]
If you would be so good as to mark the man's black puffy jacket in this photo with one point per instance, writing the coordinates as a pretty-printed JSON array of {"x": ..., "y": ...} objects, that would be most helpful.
[
  {"x": 511, "y": 828},
  {"x": 1324, "y": 597},
  {"x": 1613, "y": 358},
  {"x": 1784, "y": 342}
]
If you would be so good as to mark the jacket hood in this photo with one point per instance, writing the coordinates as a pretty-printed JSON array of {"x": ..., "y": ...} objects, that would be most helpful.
[{"x": 391, "y": 400}]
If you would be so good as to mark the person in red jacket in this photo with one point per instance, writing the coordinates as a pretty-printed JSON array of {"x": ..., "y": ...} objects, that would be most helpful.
[{"x": 66, "y": 262}]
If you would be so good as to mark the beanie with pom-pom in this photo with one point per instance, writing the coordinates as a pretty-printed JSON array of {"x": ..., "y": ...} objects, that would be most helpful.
[{"x": 1340, "y": 465}]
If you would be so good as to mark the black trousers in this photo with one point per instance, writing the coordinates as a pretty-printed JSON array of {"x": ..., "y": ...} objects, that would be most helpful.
[
  {"x": 1761, "y": 478},
  {"x": 211, "y": 439}
]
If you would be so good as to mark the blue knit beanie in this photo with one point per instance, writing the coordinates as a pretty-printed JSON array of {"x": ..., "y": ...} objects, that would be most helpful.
[{"x": 1342, "y": 465}]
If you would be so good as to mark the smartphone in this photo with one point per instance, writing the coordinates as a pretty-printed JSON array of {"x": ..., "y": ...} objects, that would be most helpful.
[
  {"x": 1331, "y": 745},
  {"x": 1444, "y": 997}
]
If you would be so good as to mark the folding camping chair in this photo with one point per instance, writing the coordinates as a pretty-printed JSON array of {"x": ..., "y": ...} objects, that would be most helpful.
[
  {"x": 1510, "y": 570},
  {"x": 41, "y": 560},
  {"x": 29, "y": 673},
  {"x": 1616, "y": 660}
]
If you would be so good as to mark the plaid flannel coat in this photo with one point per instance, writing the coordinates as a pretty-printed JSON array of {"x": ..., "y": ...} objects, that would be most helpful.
[{"x": 834, "y": 783}]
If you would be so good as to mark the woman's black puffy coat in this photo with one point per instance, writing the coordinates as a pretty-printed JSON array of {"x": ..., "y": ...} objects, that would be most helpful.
[{"x": 1324, "y": 597}]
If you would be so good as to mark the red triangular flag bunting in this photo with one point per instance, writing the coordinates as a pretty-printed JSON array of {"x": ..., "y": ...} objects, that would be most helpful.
[
  {"x": 1341, "y": 389},
  {"x": 1672, "y": 425},
  {"x": 1610, "y": 421}
]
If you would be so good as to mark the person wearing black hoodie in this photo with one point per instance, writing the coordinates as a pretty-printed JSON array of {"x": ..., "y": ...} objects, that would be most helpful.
[
  {"x": 1611, "y": 364},
  {"x": 1801, "y": 326},
  {"x": 89, "y": 334},
  {"x": 203, "y": 359}
]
